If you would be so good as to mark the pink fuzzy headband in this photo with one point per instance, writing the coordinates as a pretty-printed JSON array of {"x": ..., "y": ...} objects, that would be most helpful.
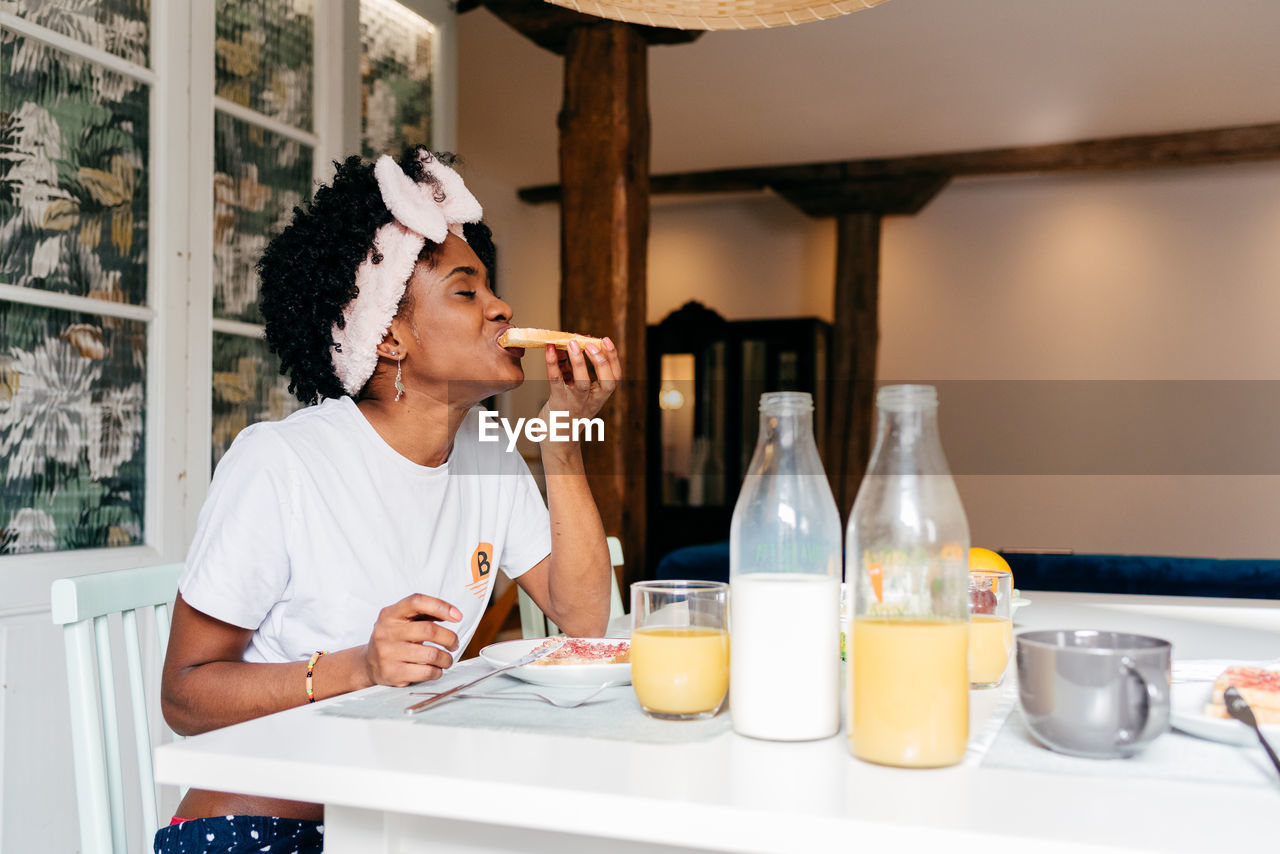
[{"x": 424, "y": 210}]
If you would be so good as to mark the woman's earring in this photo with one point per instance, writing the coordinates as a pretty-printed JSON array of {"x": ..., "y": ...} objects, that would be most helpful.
[{"x": 399, "y": 381}]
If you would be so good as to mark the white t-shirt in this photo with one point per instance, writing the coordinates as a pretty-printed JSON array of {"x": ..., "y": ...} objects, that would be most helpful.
[{"x": 314, "y": 524}]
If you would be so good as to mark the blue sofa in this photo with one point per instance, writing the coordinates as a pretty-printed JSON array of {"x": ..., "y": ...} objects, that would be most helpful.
[
  {"x": 708, "y": 562},
  {"x": 1151, "y": 575}
]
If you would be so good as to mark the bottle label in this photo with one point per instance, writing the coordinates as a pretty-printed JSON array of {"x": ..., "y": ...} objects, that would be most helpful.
[
  {"x": 917, "y": 582},
  {"x": 790, "y": 557},
  {"x": 875, "y": 573}
]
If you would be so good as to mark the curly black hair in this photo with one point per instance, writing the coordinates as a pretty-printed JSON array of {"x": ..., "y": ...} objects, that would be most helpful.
[{"x": 307, "y": 274}]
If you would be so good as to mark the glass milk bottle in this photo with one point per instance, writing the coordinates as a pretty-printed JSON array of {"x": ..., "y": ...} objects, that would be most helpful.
[
  {"x": 784, "y": 578},
  {"x": 907, "y": 551}
]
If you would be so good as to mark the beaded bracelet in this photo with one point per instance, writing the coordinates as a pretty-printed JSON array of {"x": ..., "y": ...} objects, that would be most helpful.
[{"x": 311, "y": 666}]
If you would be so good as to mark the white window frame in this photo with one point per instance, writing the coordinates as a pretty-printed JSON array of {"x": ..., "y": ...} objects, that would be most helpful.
[{"x": 179, "y": 308}]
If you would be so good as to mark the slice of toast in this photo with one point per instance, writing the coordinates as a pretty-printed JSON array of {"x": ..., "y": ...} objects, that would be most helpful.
[
  {"x": 532, "y": 338},
  {"x": 1259, "y": 687},
  {"x": 586, "y": 651}
]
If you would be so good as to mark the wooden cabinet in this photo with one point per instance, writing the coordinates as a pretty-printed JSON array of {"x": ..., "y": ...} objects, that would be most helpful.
[{"x": 706, "y": 375}]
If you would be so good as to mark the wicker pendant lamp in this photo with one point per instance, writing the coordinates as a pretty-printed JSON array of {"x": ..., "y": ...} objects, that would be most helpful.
[{"x": 717, "y": 14}]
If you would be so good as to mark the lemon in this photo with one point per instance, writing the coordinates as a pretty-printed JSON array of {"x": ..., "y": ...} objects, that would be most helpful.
[{"x": 980, "y": 558}]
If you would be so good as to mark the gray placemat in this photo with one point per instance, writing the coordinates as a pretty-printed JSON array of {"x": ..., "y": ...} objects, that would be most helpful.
[
  {"x": 613, "y": 714},
  {"x": 1172, "y": 756}
]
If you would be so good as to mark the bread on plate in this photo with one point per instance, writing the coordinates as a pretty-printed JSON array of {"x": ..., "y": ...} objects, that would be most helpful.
[
  {"x": 531, "y": 338},
  {"x": 1258, "y": 686},
  {"x": 585, "y": 651}
]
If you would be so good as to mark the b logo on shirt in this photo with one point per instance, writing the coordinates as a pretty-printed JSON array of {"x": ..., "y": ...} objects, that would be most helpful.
[{"x": 481, "y": 567}]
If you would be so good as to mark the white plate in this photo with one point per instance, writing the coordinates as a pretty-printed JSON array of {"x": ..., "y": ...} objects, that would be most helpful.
[
  {"x": 566, "y": 675},
  {"x": 1186, "y": 712}
]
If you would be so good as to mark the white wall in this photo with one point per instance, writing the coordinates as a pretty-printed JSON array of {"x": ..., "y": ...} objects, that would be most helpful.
[
  {"x": 37, "y": 787},
  {"x": 749, "y": 257},
  {"x": 1169, "y": 275},
  {"x": 1154, "y": 276}
]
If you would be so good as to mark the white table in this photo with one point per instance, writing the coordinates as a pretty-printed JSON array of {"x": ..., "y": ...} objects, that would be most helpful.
[{"x": 394, "y": 786}]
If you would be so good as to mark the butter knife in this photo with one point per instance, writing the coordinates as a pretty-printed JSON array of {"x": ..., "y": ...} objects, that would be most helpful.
[
  {"x": 1238, "y": 708},
  {"x": 540, "y": 652}
]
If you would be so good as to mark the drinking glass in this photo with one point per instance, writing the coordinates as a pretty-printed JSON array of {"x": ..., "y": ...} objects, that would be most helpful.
[
  {"x": 680, "y": 648},
  {"x": 990, "y": 626}
]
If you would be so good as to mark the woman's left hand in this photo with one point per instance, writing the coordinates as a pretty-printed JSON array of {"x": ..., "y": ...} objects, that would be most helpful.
[{"x": 572, "y": 388}]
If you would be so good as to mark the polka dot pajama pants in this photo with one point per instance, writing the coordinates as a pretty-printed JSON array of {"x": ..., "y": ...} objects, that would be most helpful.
[{"x": 241, "y": 834}]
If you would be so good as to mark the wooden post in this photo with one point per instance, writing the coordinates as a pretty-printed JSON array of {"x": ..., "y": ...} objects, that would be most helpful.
[
  {"x": 604, "y": 233},
  {"x": 853, "y": 361}
]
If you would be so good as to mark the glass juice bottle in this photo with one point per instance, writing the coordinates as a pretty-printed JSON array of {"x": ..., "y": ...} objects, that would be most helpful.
[
  {"x": 784, "y": 579},
  {"x": 907, "y": 550}
]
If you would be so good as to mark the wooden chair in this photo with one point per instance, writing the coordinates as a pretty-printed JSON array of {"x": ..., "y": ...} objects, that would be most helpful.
[
  {"x": 82, "y": 606},
  {"x": 534, "y": 623}
]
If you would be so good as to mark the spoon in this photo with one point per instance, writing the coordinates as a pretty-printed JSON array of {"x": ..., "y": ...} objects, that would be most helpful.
[{"x": 1239, "y": 709}]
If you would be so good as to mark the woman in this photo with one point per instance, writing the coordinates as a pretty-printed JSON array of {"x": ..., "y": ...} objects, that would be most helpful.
[{"x": 353, "y": 543}]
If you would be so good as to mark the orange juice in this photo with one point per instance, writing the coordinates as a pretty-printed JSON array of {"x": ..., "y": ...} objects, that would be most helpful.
[
  {"x": 990, "y": 644},
  {"x": 680, "y": 671},
  {"x": 909, "y": 692}
]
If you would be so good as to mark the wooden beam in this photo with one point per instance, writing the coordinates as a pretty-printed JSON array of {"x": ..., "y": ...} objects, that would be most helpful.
[
  {"x": 903, "y": 194},
  {"x": 548, "y": 26},
  {"x": 604, "y": 232},
  {"x": 1152, "y": 151},
  {"x": 855, "y": 339}
]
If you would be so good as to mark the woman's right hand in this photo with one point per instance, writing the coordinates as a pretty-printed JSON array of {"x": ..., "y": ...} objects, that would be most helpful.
[{"x": 400, "y": 649}]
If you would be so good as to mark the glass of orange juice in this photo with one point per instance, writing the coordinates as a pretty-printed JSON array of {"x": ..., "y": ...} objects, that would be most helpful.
[
  {"x": 680, "y": 648},
  {"x": 990, "y": 626}
]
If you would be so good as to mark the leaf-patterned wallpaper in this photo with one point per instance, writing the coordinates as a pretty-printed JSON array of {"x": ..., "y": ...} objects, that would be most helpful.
[
  {"x": 121, "y": 27},
  {"x": 73, "y": 219},
  {"x": 263, "y": 56},
  {"x": 260, "y": 176},
  {"x": 71, "y": 430},
  {"x": 395, "y": 70},
  {"x": 264, "y": 60},
  {"x": 247, "y": 387},
  {"x": 73, "y": 174}
]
